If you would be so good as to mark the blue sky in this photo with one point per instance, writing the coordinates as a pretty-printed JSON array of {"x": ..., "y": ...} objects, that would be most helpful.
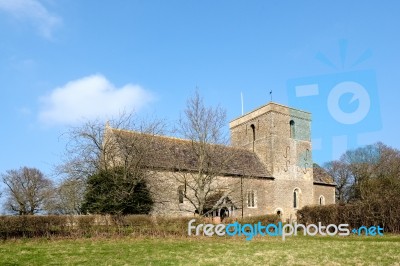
[{"x": 64, "y": 60}]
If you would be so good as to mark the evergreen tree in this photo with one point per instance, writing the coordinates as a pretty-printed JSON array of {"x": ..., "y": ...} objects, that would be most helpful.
[{"x": 115, "y": 192}]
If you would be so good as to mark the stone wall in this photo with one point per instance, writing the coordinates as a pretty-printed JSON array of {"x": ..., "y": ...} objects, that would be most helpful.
[
  {"x": 164, "y": 187},
  {"x": 270, "y": 195},
  {"x": 328, "y": 192},
  {"x": 284, "y": 196},
  {"x": 267, "y": 131},
  {"x": 281, "y": 137}
]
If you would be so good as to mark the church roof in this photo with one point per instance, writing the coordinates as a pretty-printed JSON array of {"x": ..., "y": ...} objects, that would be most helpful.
[
  {"x": 321, "y": 177},
  {"x": 172, "y": 154}
]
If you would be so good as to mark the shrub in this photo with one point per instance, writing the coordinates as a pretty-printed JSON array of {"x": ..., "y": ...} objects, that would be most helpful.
[
  {"x": 92, "y": 226},
  {"x": 365, "y": 213},
  {"x": 265, "y": 219},
  {"x": 32, "y": 226}
]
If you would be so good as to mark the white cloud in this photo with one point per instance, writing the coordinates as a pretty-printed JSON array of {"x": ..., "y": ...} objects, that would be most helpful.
[
  {"x": 89, "y": 98},
  {"x": 34, "y": 12}
]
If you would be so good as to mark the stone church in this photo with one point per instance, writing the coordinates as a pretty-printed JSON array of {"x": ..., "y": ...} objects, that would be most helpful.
[
  {"x": 272, "y": 171},
  {"x": 281, "y": 138}
]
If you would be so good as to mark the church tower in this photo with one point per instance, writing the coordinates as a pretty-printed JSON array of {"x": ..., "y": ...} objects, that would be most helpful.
[{"x": 281, "y": 138}]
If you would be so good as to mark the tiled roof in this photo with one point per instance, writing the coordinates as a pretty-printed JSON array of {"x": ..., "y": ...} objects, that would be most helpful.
[
  {"x": 169, "y": 153},
  {"x": 321, "y": 176},
  {"x": 172, "y": 154}
]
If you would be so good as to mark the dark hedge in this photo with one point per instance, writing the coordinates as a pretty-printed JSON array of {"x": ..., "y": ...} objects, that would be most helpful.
[{"x": 358, "y": 214}]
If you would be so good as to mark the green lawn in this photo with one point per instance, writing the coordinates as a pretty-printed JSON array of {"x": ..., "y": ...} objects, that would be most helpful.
[{"x": 302, "y": 250}]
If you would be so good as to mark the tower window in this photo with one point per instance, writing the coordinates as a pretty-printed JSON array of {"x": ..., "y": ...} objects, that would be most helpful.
[
  {"x": 253, "y": 129},
  {"x": 296, "y": 194},
  {"x": 292, "y": 129}
]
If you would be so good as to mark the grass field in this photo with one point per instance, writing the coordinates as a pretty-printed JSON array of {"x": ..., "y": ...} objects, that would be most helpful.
[{"x": 350, "y": 250}]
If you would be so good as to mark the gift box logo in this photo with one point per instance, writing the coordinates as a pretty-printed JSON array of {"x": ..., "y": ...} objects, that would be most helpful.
[{"x": 343, "y": 105}]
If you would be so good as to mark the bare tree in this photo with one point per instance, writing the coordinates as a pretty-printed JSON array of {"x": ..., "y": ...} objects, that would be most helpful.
[
  {"x": 69, "y": 196},
  {"x": 363, "y": 164},
  {"x": 27, "y": 190},
  {"x": 206, "y": 155},
  {"x": 98, "y": 145},
  {"x": 385, "y": 172},
  {"x": 340, "y": 171},
  {"x": 357, "y": 171},
  {"x": 117, "y": 150}
]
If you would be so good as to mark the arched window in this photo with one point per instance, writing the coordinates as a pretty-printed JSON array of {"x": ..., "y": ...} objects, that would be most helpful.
[
  {"x": 253, "y": 129},
  {"x": 321, "y": 200},
  {"x": 181, "y": 193},
  {"x": 251, "y": 199},
  {"x": 296, "y": 198},
  {"x": 292, "y": 129}
]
